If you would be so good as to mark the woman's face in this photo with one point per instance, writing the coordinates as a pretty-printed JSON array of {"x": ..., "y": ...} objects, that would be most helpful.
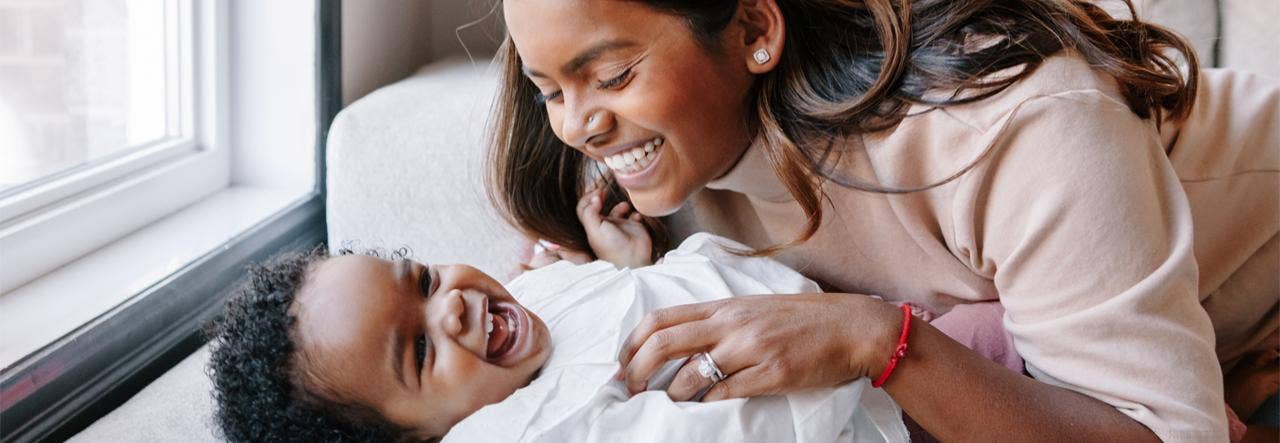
[
  {"x": 424, "y": 346},
  {"x": 618, "y": 76}
]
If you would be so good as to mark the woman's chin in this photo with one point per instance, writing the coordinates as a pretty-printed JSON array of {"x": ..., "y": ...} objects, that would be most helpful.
[{"x": 653, "y": 204}]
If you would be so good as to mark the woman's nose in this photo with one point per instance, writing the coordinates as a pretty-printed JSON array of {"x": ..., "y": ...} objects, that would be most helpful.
[{"x": 584, "y": 128}]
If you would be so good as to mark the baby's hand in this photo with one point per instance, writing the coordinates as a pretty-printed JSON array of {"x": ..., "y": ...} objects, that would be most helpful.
[
  {"x": 618, "y": 237},
  {"x": 548, "y": 253}
]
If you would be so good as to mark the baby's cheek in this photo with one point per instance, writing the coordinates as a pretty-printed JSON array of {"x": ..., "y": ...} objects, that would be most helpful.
[{"x": 489, "y": 387}]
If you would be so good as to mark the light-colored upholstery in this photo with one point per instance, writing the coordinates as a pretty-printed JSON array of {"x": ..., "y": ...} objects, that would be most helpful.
[
  {"x": 404, "y": 169},
  {"x": 177, "y": 407},
  {"x": 1251, "y": 36}
]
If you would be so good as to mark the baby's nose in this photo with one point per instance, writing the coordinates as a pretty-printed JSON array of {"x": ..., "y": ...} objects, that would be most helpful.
[{"x": 454, "y": 306}]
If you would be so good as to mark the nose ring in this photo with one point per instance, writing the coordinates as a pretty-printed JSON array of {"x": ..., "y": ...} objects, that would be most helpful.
[{"x": 591, "y": 119}]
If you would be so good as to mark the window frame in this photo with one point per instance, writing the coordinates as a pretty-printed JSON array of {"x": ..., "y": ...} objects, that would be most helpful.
[
  {"x": 55, "y": 219},
  {"x": 61, "y": 389}
]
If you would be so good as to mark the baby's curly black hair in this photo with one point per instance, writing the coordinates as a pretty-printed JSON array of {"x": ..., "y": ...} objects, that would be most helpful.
[{"x": 260, "y": 393}]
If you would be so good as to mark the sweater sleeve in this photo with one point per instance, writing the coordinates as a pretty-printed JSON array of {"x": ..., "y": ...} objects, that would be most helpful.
[{"x": 1082, "y": 225}]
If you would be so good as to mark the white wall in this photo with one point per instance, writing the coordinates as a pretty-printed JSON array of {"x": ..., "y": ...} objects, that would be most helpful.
[
  {"x": 272, "y": 80},
  {"x": 383, "y": 41},
  {"x": 386, "y": 40},
  {"x": 481, "y": 36}
]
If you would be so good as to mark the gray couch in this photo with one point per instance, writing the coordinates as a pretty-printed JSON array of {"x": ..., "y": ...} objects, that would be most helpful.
[{"x": 404, "y": 169}]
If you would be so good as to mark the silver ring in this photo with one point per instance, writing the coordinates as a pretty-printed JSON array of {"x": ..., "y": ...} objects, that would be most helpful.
[
  {"x": 591, "y": 118},
  {"x": 707, "y": 367}
]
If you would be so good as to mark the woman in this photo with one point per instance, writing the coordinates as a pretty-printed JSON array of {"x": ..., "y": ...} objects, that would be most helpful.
[{"x": 938, "y": 153}]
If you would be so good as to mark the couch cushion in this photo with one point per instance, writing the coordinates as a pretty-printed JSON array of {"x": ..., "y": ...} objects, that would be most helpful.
[
  {"x": 178, "y": 406},
  {"x": 1250, "y": 36},
  {"x": 405, "y": 169}
]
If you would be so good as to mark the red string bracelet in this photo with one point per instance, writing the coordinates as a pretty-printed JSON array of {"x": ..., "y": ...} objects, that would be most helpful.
[{"x": 900, "y": 351}]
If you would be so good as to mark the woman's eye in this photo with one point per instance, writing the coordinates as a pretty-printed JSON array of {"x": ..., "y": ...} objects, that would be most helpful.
[
  {"x": 616, "y": 81},
  {"x": 420, "y": 351},
  {"x": 425, "y": 282},
  {"x": 543, "y": 98}
]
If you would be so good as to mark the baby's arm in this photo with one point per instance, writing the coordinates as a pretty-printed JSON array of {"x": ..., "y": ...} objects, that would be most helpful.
[{"x": 618, "y": 237}]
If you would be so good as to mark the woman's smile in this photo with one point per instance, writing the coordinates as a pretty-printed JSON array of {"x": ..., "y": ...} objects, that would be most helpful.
[
  {"x": 633, "y": 89},
  {"x": 633, "y": 168}
]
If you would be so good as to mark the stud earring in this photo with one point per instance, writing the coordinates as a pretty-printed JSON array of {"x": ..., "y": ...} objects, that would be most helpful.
[{"x": 761, "y": 56}]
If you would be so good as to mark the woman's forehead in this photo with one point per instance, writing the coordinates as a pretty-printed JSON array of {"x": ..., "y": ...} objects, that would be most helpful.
[{"x": 548, "y": 33}]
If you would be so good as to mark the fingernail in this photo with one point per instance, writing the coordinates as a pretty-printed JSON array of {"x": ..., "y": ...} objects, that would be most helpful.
[
  {"x": 553, "y": 246},
  {"x": 595, "y": 199}
]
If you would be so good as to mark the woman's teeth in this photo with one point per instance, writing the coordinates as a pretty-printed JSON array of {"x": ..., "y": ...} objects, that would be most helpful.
[{"x": 634, "y": 159}]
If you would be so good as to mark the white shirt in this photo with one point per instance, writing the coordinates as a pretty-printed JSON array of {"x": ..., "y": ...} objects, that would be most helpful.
[{"x": 590, "y": 309}]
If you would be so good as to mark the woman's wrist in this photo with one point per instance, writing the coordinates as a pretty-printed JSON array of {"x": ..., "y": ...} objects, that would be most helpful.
[{"x": 872, "y": 346}]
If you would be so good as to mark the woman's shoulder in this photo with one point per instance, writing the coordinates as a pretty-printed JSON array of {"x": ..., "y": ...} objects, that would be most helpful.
[
  {"x": 934, "y": 143},
  {"x": 1064, "y": 74}
]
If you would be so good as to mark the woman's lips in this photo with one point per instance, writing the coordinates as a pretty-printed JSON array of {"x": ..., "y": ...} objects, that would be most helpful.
[{"x": 639, "y": 179}]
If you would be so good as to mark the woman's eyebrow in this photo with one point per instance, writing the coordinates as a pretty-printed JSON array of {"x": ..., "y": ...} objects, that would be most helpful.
[{"x": 585, "y": 57}]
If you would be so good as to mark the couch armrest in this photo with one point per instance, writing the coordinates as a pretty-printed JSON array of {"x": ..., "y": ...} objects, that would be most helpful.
[{"x": 405, "y": 169}]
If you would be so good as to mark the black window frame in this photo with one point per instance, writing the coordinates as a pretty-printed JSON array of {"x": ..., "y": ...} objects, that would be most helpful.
[{"x": 84, "y": 375}]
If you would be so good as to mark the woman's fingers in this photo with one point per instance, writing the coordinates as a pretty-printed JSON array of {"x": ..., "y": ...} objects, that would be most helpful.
[
  {"x": 689, "y": 380},
  {"x": 657, "y": 320},
  {"x": 749, "y": 382},
  {"x": 678, "y": 341}
]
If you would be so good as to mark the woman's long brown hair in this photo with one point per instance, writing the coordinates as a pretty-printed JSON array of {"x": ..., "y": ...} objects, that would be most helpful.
[{"x": 849, "y": 67}]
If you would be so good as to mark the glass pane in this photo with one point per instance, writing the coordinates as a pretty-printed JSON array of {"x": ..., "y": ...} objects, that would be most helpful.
[{"x": 80, "y": 80}]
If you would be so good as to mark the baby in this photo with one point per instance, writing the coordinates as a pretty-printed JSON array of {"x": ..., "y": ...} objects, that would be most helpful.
[{"x": 357, "y": 347}]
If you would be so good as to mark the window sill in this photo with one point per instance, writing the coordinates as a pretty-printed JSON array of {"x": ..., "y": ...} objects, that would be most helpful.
[{"x": 58, "y": 303}]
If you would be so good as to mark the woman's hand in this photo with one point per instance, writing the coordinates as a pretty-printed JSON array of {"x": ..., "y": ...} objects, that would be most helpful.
[
  {"x": 618, "y": 237},
  {"x": 768, "y": 344}
]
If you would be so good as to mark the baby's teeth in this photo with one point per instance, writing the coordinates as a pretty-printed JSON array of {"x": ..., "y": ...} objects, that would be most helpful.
[
  {"x": 648, "y": 147},
  {"x": 488, "y": 323},
  {"x": 630, "y": 157}
]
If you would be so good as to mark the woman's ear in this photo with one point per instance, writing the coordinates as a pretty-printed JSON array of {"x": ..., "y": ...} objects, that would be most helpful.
[{"x": 763, "y": 33}]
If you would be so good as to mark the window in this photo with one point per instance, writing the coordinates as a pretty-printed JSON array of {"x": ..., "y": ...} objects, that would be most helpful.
[
  {"x": 79, "y": 85},
  {"x": 186, "y": 142},
  {"x": 101, "y": 112}
]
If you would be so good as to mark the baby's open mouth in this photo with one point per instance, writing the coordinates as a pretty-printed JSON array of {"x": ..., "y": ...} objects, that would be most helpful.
[{"x": 501, "y": 330}]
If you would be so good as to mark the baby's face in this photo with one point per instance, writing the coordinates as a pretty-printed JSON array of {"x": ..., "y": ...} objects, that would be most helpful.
[{"x": 423, "y": 346}]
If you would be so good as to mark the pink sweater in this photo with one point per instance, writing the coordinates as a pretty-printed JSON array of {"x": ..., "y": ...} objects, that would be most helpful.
[{"x": 1117, "y": 250}]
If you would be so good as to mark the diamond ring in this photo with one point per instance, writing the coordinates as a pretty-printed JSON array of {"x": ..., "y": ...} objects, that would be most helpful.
[{"x": 707, "y": 368}]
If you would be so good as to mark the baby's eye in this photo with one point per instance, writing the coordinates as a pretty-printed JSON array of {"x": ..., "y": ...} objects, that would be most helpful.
[
  {"x": 425, "y": 282},
  {"x": 420, "y": 351}
]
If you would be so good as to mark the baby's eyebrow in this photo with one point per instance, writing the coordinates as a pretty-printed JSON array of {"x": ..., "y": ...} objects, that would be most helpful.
[{"x": 396, "y": 357}]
